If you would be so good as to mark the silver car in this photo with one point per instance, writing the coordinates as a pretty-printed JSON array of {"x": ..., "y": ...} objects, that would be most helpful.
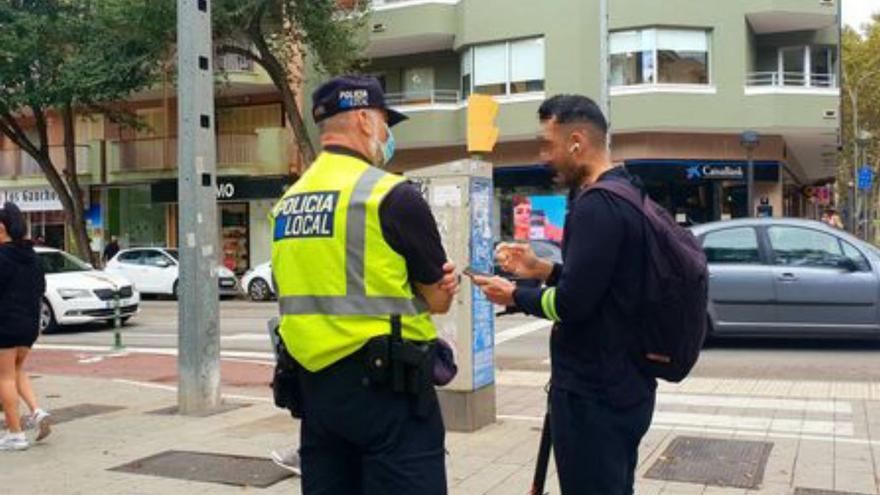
[{"x": 787, "y": 277}]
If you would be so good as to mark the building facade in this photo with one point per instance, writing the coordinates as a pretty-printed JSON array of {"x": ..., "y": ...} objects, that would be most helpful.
[
  {"x": 129, "y": 175},
  {"x": 685, "y": 81}
]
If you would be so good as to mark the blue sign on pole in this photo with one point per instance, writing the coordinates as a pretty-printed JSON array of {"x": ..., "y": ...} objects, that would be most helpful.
[{"x": 866, "y": 178}]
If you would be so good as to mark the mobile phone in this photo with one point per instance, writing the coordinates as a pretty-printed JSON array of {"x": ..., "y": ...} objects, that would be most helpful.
[{"x": 473, "y": 272}]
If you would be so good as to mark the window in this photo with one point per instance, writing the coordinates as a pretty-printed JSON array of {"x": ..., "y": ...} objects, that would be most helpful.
[
  {"x": 659, "y": 56},
  {"x": 418, "y": 84},
  {"x": 500, "y": 69},
  {"x": 732, "y": 246},
  {"x": 155, "y": 259},
  {"x": 794, "y": 246},
  {"x": 854, "y": 254},
  {"x": 58, "y": 262},
  {"x": 130, "y": 258}
]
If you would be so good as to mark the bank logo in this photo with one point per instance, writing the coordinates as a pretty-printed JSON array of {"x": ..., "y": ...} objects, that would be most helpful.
[
  {"x": 694, "y": 173},
  {"x": 306, "y": 215}
]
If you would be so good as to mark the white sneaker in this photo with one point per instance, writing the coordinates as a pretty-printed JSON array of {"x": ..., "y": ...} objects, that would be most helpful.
[
  {"x": 288, "y": 458},
  {"x": 38, "y": 421},
  {"x": 13, "y": 441}
]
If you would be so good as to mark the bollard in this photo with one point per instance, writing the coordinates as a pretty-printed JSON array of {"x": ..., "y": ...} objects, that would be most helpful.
[{"x": 117, "y": 322}]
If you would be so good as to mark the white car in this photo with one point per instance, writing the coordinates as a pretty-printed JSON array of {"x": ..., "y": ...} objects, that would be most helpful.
[
  {"x": 156, "y": 270},
  {"x": 76, "y": 293},
  {"x": 257, "y": 282}
]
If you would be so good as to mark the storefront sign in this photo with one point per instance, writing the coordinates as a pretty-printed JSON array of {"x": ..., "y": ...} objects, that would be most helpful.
[
  {"x": 32, "y": 199},
  {"x": 715, "y": 172},
  {"x": 230, "y": 188}
]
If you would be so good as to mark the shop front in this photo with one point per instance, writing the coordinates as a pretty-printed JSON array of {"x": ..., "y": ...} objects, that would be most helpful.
[
  {"x": 530, "y": 205},
  {"x": 43, "y": 212},
  {"x": 244, "y": 204}
]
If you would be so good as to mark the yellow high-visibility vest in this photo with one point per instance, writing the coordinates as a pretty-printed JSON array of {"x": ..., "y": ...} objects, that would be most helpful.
[{"x": 338, "y": 281}]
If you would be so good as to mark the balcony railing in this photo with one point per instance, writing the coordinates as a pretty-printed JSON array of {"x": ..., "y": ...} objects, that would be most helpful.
[
  {"x": 231, "y": 62},
  {"x": 791, "y": 80},
  {"x": 160, "y": 153},
  {"x": 427, "y": 97},
  {"x": 28, "y": 166}
]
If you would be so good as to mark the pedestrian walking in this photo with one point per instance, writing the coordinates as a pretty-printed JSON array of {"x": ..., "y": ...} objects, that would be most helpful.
[
  {"x": 601, "y": 402},
  {"x": 359, "y": 268},
  {"x": 22, "y": 285},
  {"x": 111, "y": 249}
]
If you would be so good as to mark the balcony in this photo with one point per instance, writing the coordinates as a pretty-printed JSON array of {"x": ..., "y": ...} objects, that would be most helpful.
[
  {"x": 15, "y": 163},
  {"x": 402, "y": 27},
  {"x": 785, "y": 16},
  {"x": 263, "y": 151},
  {"x": 434, "y": 99},
  {"x": 791, "y": 82}
]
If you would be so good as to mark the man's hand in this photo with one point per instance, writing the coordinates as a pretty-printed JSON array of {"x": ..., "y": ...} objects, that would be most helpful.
[
  {"x": 520, "y": 259},
  {"x": 497, "y": 289},
  {"x": 450, "y": 281}
]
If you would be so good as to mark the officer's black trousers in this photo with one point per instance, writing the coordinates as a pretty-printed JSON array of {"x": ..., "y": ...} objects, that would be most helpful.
[
  {"x": 596, "y": 447},
  {"x": 361, "y": 438}
]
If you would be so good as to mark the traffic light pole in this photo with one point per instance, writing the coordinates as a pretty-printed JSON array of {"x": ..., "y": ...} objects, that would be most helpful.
[{"x": 199, "y": 332}]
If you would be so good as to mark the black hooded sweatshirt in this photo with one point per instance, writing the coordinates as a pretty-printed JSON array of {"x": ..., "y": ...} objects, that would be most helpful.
[{"x": 22, "y": 284}]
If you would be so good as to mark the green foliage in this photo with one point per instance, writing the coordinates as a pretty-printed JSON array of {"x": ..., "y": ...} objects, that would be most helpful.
[{"x": 861, "y": 78}]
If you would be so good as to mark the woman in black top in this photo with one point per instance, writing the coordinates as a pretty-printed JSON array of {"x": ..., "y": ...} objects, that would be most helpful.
[{"x": 22, "y": 285}]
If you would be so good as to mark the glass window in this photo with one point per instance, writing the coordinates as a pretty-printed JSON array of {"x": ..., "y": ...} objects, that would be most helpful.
[
  {"x": 632, "y": 57},
  {"x": 665, "y": 56},
  {"x": 130, "y": 258},
  {"x": 418, "y": 84},
  {"x": 155, "y": 259},
  {"x": 730, "y": 246},
  {"x": 795, "y": 246},
  {"x": 682, "y": 57},
  {"x": 527, "y": 65},
  {"x": 490, "y": 69},
  {"x": 58, "y": 262},
  {"x": 467, "y": 70},
  {"x": 854, "y": 254}
]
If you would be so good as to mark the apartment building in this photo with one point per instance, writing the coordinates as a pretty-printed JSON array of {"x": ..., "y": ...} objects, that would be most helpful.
[
  {"x": 130, "y": 174},
  {"x": 687, "y": 78}
]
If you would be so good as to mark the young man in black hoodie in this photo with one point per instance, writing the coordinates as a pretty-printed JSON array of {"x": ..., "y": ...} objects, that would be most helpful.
[
  {"x": 601, "y": 403},
  {"x": 22, "y": 285}
]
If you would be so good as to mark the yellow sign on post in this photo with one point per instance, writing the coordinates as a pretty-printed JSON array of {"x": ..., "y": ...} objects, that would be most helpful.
[{"x": 481, "y": 131}]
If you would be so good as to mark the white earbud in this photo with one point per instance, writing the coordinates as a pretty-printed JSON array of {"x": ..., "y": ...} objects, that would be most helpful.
[{"x": 574, "y": 148}]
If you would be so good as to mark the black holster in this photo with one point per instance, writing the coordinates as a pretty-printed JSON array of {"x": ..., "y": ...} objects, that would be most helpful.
[
  {"x": 286, "y": 386},
  {"x": 405, "y": 366}
]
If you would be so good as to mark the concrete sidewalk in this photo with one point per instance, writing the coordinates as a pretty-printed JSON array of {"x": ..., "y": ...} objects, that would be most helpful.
[{"x": 819, "y": 436}]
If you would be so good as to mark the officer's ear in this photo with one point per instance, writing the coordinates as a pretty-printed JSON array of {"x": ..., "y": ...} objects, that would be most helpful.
[{"x": 364, "y": 122}]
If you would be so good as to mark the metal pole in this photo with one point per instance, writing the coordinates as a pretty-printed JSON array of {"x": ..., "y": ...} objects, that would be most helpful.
[
  {"x": 604, "y": 91},
  {"x": 854, "y": 222},
  {"x": 199, "y": 333},
  {"x": 750, "y": 185},
  {"x": 117, "y": 321}
]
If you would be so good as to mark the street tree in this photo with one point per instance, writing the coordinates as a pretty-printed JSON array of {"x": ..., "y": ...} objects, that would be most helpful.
[
  {"x": 285, "y": 37},
  {"x": 64, "y": 59},
  {"x": 860, "y": 85}
]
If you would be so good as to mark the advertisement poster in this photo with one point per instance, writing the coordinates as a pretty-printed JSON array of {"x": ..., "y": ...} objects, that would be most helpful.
[
  {"x": 482, "y": 259},
  {"x": 539, "y": 218}
]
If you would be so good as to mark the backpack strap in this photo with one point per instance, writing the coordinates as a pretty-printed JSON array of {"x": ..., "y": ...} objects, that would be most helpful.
[{"x": 623, "y": 190}]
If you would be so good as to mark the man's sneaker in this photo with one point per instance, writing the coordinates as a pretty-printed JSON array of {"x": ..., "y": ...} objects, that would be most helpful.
[
  {"x": 38, "y": 421},
  {"x": 13, "y": 441},
  {"x": 288, "y": 459}
]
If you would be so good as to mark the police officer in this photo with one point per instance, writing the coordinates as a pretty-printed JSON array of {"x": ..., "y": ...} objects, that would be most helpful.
[{"x": 359, "y": 268}]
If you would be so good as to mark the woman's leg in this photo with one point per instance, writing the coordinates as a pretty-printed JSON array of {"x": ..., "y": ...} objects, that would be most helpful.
[
  {"x": 23, "y": 381},
  {"x": 8, "y": 390}
]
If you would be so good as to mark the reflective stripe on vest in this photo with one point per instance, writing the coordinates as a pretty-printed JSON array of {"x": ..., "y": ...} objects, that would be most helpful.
[{"x": 356, "y": 302}]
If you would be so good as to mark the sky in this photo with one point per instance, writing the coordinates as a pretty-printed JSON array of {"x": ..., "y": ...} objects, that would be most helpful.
[{"x": 857, "y": 12}]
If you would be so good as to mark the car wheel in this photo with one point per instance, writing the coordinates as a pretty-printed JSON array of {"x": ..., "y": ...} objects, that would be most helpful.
[
  {"x": 47, "y": 317},
  {"x": 710, "y": 334},
  {"x": 258, "y": 290},
  {"x": 174, "y": 293}
]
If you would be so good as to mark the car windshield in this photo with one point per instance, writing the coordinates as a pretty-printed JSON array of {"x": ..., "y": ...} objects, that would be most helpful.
[
  {"x": 59, "y": 262},
  {"x": 173, "y": 253}
]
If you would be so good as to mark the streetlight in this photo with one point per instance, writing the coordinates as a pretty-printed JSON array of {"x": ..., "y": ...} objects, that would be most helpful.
[
  {"x": 863, "y": 139},
  {"x": 750, "y": 140}
]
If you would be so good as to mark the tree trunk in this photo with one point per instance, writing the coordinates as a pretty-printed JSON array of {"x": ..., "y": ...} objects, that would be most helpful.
[{"x": 76, "y": 218}]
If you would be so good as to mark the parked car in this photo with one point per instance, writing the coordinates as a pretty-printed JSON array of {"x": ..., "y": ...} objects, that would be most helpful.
[
  {"x": 156, "y": 271},
  {"x": 76, "y": 293},
  {"x": 257, "y": 283},
  {"x": 787, "y": 278}
]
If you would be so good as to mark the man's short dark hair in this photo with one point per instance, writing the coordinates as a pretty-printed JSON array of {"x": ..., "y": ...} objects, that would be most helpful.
[{"x": 574, "y": 109}]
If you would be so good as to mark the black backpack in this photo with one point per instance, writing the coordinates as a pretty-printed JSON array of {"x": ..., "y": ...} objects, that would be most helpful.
[{"x": 675, "y": 317}]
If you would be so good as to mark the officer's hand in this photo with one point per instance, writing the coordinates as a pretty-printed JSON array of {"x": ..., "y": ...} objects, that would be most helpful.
[
  {"x": 497, "y": 289},
  {"x": 450, "y": 281},
  {"x": 520, "y": 259}
]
